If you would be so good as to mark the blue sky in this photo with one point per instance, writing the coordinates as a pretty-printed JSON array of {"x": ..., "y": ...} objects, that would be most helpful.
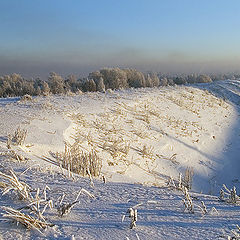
[{"x": 76, "y": 36}]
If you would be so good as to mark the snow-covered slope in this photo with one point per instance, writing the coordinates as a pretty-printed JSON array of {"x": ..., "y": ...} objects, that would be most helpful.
[{"x": 143, "y": 137}]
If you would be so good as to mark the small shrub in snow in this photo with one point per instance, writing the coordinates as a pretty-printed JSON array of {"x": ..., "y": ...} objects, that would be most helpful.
[
  {"x": 19, "y": 136},
  {"x": 65, "y": 208},
  {"x": 16, "y": 156}
]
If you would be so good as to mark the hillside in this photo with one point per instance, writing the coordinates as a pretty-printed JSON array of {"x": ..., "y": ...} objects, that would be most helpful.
[{"x": 143, "y": 137}]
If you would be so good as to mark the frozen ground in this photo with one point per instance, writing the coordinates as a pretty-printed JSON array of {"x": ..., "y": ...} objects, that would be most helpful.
[{"x": 143, "y": 136}]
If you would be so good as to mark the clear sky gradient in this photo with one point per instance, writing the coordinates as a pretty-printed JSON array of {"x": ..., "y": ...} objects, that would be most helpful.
[{"x": 79, "y": 36}]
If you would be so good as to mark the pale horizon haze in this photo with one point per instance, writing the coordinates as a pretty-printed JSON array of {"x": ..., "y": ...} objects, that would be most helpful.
[{"x": 75, "y": 36}]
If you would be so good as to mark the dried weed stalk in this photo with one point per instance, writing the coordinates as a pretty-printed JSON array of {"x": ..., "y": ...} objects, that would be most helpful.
[
  {"x": 188, "y": 178},
  {"x": 229, "y": 195},
  {"x": 65, "y": 208},
  {"x": 12, "y": 183},
  {"x": 76, "y": 160},
  {"x": 26, "y": 219},
  {"x": 18, "y": 138},
  {"x": 116, "y": 147}
]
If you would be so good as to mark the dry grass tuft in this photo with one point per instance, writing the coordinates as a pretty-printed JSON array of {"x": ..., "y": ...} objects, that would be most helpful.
[
  {"x": 76, "y": 160},
  {"x": 18, "y": 138},
  {"x": 12, "y": 183},
  {"x": 26, "y": 219}
]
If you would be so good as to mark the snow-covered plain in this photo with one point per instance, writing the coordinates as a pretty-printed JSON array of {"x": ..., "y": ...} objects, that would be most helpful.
[{"x": 143, "y": 137}]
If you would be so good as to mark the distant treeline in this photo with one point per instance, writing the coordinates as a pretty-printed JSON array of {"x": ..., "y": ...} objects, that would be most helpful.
[{"x": 107, "y": 78}]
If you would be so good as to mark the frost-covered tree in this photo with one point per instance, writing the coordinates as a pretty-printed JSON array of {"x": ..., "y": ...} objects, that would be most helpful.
[
  {"x": 71, "y": 83},
  {"x": 203, "y": 79},
  {"x": 15, "y": 85},
  {"x": 45, "y": 89},
  {"x": 101, "y": 85},
  {"x": 28, "y": 87},
  {"x": 163, "y": 82},
  {"x": 192, "y": 78},
  {"x": 96, "y": 76},
  {"x": 148, "y": 82},
  {"x": 135, "y": 79},
  {"x": 38, "y": 91},
  {"x": 89, "y": 86},
  {"x": 56, "y": 83},
  {"x": 114, "y": 78},
  {"x": 155, "y": 79},
  {"x": 92, "y": 86},
  {"x": 170, "y": 82},
  {"x": 180, "y": 80}
]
